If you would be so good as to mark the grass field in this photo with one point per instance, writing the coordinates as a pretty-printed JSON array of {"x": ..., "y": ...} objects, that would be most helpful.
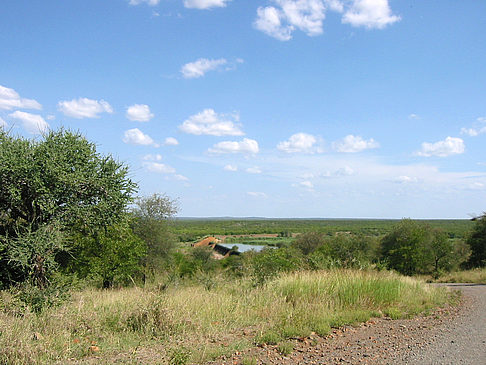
[{"x": 189, "y": 324}]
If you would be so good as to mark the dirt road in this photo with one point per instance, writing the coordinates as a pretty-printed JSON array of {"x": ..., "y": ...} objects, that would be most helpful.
[{"x": 463, "y": 339}]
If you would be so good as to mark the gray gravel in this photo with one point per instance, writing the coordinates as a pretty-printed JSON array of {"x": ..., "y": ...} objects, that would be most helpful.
[{"x": 463, "y": 339}]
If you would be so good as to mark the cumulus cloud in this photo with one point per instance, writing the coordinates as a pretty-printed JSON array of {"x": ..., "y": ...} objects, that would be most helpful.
[
  {"x": 159, "y": 168},
  {"x": 139, "y": 113},
  {"x": 447, "y": 147},
  {"x": 137, "y": 137},
  {"x": 404, "y": 179},
  {"x": 198, "y": 68},
  {"x": 246, "y": 146},
  {"x": 148, "y": 2},
  {"x": 254, "y": 170},
  {"x": 281, "y": 20},
  {"x": 205, "y": 4},
  {"x": 299, "y": 142},
  {"x": 208, "y": 122},
  {"x": 171, "y": 141},
  {"x": 370, "y": 14},
  {"x": 10, "y": 99},
  {"x": 477, "y": 129},
  {"x": 413, "y": 116},
  {"x": 3, "y": 124},
  {"x": 351, "y": 144},
  {"x": 84, "y": 108},
  {"x": 257, "y": 194},
  {"x": 150, "y": 157},
  {"x": 231, "y": 168},
  {"x": 32, "y": 123}
]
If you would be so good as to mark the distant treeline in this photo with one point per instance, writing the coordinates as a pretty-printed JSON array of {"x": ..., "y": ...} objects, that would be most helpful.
[{"x": 191, "y": 229}]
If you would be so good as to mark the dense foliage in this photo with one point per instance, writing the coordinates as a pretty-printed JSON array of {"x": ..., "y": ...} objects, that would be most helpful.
[
  {"x": 477, "y": 243},
  {"x": 51, "y": 188}
]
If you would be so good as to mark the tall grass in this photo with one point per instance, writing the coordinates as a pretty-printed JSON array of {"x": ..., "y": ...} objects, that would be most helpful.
[{"x": 192, "y": 324}]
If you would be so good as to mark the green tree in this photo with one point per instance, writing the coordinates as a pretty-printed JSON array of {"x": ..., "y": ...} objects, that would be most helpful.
[
  {"x": 403, "y": 249},
  {"x": 151, "y": 224},
  {"x": 477, "y": 242},
  {"x": 109, "y": 257},
  {"x": 58, "y": 183},
  {"x": 308, "y": 242}
]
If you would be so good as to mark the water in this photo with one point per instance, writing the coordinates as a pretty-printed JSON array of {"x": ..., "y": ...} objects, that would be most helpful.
[{"x": 243, "y": 248}]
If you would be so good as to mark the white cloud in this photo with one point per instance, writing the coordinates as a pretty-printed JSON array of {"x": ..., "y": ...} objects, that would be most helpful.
[
  {"x": 344, "y": 171},
  {"x": 299, "y": 142},
  {"x": 307, "y": 184},
  {"x": 199, "y": 67},
  {"x": 149, "y": 2},
  {"x": 10, "y": 99},
  {"x": 180, "y": 177},
  {"x": 447, "y": 147},
  {"x": 281, "y": 20},
  {"x": 205, "y": 4},
  {"x": 171, "y": 141},
  {"x": 404, "y": 179},
  {"x": 137, "y": 137},
  {"x": 247, "y": 146},
  {"x": 478, "y": 128},
  {"x": 50, "y": 117},
  {"x": 306, "y": 15},
  {"x": 370, "y": 14},
  {"x": 351, "y": 144},
  {"x": 150, "y": 157},
  {"x": 254, "y": 170},
  {"x": 159, "y": 168},
  {"x": 84, "y": 108},
  {"x": 208, "y": 122},
  {"x": 32, "y": 123},
  {"x": 269, "y": 20},
  {"x": 3, "y": 123},
  {"x": 257, "y": 194},
  {"x": 413, "y": 116},
  {"x": 231, "y": 168},
  {"x": 139, "y": 113}
]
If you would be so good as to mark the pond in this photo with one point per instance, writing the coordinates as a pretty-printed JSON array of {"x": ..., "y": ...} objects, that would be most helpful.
[{"x": 243, "y": 248}]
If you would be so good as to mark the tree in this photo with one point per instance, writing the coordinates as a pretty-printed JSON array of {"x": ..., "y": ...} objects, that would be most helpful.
[
  {"x": 49, "y": 188},
  {"x": 477, "y": 242},
  {"x": 403, "y": 249},
  {"x": 150, "y": 223},
  {"x": 308, "y": 242},
  {"x": 441, "y": 251}
]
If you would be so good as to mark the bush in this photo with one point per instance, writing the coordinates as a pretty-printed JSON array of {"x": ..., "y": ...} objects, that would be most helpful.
[
  {"x": 308, "y": 242},
  {"x": 269, "y": 263}
]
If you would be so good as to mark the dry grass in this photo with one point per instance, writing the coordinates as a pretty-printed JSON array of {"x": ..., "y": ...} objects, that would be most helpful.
[{"x": 191, "y": 324}]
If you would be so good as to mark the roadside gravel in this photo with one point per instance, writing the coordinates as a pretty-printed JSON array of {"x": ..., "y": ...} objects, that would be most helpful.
[{"x": 450, "y": 336}]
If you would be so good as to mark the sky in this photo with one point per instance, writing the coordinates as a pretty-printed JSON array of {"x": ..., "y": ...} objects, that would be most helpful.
[{"x": 263, "y": 108}]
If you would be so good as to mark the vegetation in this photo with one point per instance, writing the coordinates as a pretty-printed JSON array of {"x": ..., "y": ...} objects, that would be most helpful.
[
  {"x": 191, "y": 324},
  {"x": 477, "y": 242}
]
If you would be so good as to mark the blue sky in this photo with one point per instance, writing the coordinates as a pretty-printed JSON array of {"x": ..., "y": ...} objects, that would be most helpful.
[{"x": 275, "y": 108}]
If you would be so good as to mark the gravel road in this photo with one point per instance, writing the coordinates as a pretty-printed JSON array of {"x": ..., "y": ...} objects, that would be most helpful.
[
  {"x": 463, "y": 339},
  {"x": 451, "y": 336}
]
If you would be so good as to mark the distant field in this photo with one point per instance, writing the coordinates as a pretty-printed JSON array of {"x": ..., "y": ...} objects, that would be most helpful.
[{"x": 190, "y": 229}]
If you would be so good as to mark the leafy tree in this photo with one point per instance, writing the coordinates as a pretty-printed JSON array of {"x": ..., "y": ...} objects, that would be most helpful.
[
  {"x": 150, "y": 223},
  {"x": 49, "y": 188},
  {"x": 110, "y": 257},
  {"x": 477, "y": 242},
  {"x": 403, "y": 248},
  {"x": 308, "y": 242},
  {"x": 441, "y": 252}
]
